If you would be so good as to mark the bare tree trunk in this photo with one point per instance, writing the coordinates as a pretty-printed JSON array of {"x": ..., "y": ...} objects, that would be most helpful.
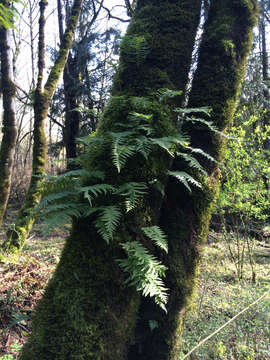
[
  {"x": 23, "y": 224},
  {"x": 9, "y": 121}
]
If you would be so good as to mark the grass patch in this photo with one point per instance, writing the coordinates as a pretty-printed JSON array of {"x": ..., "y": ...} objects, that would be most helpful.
[{"x": 221, "y": 295}]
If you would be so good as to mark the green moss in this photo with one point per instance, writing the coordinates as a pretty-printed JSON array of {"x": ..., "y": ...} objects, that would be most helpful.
[
  {"x": 78, "y": 312},
  {"x": 185, "y": 217}
]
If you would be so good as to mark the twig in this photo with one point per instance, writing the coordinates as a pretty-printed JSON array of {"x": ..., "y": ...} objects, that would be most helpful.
[{"x": 224, "y": 325}]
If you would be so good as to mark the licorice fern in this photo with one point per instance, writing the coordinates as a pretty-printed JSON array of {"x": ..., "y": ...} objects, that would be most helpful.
[
  {"x": 145, "y": 272},
  {"x": 157, "y": 235},
  {"x": 67, "y": 196}
]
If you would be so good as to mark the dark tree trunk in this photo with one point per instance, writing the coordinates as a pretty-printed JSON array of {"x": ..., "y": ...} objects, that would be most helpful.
[
  {"x": 72, "y": 101},
  {"x": 9, "y": 121}
]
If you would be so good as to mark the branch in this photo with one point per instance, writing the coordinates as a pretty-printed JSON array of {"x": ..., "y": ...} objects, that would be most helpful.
[
  {"x": 65, "y": 46},
  {"x": 110, "y": 16},
  {"x": 224, "y": 325}
]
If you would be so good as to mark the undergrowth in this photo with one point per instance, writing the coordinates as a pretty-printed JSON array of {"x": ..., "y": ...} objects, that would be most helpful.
[{"x": 221, "y": 295}]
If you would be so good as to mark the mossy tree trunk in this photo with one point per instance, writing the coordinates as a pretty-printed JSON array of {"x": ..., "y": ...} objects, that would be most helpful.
[
  {"x": 24, "y": 221},
  {"x": 87, "y": 311},
  {"x": 9, "y": 120},
  {"x": 185, "y": 216}
]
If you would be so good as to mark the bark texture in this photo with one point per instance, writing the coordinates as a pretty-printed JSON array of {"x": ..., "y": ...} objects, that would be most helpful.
[
  {"x": 87, "y": 311},
  {"x": 9, "y": 121},
  {"x": 185, "y": 217},
  {"x": 24, "y": 222}
]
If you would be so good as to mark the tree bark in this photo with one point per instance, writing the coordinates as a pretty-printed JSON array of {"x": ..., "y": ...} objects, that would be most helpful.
[
  {"x": 185, "y": 217},
  {"x": 87, "y": 311},
  {"x": 25, "y": 219},
  {"x": 9, "y": 119}
]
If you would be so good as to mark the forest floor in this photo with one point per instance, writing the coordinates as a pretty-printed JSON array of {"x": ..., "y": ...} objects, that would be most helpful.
[{"x": 235, "y": 272}]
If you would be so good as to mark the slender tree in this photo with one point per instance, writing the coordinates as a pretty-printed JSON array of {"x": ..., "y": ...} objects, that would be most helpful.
[
  {"x": 23, "y": 224},
  {"x": 87, "y": 309},
  {"x": 9, "y": 119}
]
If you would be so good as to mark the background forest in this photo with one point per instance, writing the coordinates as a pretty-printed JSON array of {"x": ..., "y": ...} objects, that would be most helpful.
[{"x": 54, "y": 93}]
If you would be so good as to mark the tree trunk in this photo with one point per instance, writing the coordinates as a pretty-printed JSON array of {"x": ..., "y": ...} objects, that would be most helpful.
[
  {"x": 25, "y": 219},
  {"x": 87, "y": 311},
  {"x": 185, "y": 217},
  {"x": 72, "y": 101},
  {"x": 9, "y": 121}
]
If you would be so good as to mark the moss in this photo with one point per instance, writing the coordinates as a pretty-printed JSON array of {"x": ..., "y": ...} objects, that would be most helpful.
[
  {"x": 185, "y": 217},
  {"x": 87, "y": 308},
  {"x": 78, "y": 313}
]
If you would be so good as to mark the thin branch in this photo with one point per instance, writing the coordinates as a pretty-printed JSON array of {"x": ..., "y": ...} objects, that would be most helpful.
[{"x": 224, "y": 325}]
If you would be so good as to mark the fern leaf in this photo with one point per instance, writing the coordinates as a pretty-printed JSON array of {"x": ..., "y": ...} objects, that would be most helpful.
[
  {"x": 157, "y": 235},
  {"x": 204, "y": 109},
  {"x": 133, "y": 192},
  {"x": 165, "y": 144},
  {"x": 91, "y": 140},
  {"x": 166, "y": 94},
  {"x": 193, "y": 163},
  {"x": 121, "y": 149},
  {"x": 53, "y": 197},
  {"x": 95, "y": 190},
  {"x": 141, "y": 102},
  {"x": 145, "y": 272},
  {"x": 108, "y": 221},
  {"x": 203, "y": 153},
  {"x": 185, "y": 179}
]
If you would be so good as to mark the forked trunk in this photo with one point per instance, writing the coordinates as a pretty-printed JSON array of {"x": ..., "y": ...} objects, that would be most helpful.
[{"x": 87, "y": 311}]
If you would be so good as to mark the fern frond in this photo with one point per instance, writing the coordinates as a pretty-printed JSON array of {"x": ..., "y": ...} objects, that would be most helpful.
[
  {"x": 138, "y": 117},
  {"x": 185, "y": 179},
  {"x": 54, "y": 197},
  {"x": 145, "y": 272},
  {"x": 209, "y": 124},
  {"x": 204, "y": 109},
  {"x": 169, "y": 143},
  {"x": 95, "y": 190},
  {"x": 165, "y": 144},
  {"x": 157, "y": 235},
  {"x": 133, "y": 192},
  {"x": 91, "y": 140},
  {"x": 192, "y": 162},
  {"x": 203, "y": 153},
  {"x": 143, "y": 146},
  {"x": 108, "y": 221},
  {"x": 60, "y": 215},
  {"x": 141, "y": 102},
  {"x": 166, "y": 94},
  {"x": 121, "y": 149}
]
